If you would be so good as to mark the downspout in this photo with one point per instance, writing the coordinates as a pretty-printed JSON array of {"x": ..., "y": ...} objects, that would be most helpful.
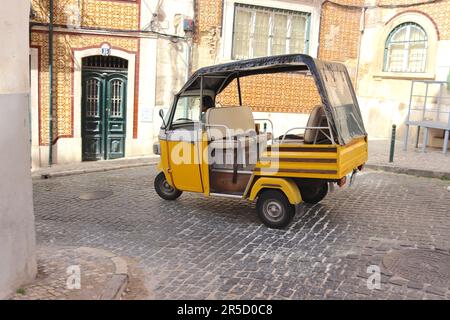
[
  {"x": 362, "y": 27},
  {"x": 50, "y": 72},
  {"x": 188, "y": 59},
  {"x": 190, "y": 43}
]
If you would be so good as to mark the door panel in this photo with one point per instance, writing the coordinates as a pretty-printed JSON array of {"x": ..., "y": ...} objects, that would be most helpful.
[
  {"x": 103, "y": 115},
  {"x": 115, "y": 106},
  {"x": 185, "y": 163},
  {"x": 92, "y": 116}
]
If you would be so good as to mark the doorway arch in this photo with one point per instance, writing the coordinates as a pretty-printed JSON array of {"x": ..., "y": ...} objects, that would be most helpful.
[
  {"x": 78, "y": 55},
  {"x": 103, "y": 107}
]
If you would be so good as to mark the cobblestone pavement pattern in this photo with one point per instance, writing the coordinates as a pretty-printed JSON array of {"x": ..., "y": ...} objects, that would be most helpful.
[
  {"x": 198, "y": 247},
  {"x": 58, "y": 270}
]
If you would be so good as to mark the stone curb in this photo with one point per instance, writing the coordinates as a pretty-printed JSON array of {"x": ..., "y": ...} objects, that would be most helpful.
[
  {"x": 89, "y": 170},
  {"x": 409, "y": 171},
  {"x": 119, "y": 280}
]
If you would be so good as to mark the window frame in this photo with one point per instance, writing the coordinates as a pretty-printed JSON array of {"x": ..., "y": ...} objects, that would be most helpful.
[
  {"x": 176, "y": 104},
  {"x": 406, "y": 54},
  {"x": 253, "y": 9}
]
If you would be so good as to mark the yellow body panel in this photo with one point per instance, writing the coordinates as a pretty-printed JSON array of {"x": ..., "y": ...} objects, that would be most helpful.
[
  {"x": 301, "y": 161},
  {"x": 273, "y": 170},
  {"x": 180, "y": 161},
  {"x": 163, "y": 164},
  {"x": 351, "y": 156},
  {"x": 204, "y": 166},
  {"x": 288, "y": 186}
]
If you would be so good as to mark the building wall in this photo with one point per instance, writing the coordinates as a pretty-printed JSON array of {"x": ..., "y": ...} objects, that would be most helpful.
[
  {"x": 354, "y": 32},
  {"x": 81, "y": 31},
  {"x": 384, "y": 97},
  {"x": 213, "y": 43},
  {"x": 148, "y": 33},
  {"x": 173, "y": 53},
  {"x": 17, "y": 236},
  {"x": 349, "y": 31}
]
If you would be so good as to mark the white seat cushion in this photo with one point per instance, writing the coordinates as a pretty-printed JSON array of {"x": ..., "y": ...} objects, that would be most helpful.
[{"x": 225, "y": 122}]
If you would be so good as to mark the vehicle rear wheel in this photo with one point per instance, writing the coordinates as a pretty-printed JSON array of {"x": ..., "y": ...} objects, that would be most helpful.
[
  {"x": 313, "y": 192},
  {"x": 274, "y": 209},
  {"x": 164, "y": 189}
]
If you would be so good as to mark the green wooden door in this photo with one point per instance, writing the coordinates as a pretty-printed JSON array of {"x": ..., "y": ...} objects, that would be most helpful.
[
  {"x": 115, "y": 115},
  {"x": 103, "y": 115}
]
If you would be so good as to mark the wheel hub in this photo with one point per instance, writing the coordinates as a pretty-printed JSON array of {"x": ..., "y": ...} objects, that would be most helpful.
[
  {"x": 167, "y": 187},
  {"x": 274, "y": 210}
]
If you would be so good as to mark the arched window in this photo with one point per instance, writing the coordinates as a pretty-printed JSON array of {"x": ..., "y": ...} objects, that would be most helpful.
[{"x": 406, "y": 49}]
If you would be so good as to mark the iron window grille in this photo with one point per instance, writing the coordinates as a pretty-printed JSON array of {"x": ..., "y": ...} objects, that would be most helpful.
[
  {"x": 261, "y": 31},
  {"x": 406, "y": 49}
]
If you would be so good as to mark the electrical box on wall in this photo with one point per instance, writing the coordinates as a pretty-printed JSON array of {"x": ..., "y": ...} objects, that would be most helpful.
[{"x": 188, "y": 25}]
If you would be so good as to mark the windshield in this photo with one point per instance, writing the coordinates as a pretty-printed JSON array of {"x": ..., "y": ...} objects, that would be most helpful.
[
  {"x": 344, "y": 107},
  {"x": 187, "y": 110}
]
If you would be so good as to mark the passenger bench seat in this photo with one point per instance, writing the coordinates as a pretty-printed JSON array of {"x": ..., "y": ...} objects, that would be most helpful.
[{"x": 226, "y": 123}]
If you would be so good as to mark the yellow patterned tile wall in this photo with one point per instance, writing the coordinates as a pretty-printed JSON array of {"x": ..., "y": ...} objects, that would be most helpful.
[
  {"x": 439, "y": 12},
  {"x": 63, "y": 45},
  {"x": 339, "y": 33},
  {"x": 123, "y": 15},
  {"x": 274, "y": 93},
  {"x": 208, "y": 14}
]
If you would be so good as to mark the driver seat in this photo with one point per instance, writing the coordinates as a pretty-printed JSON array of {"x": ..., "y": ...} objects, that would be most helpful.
[{"x": 317, "y": 118}]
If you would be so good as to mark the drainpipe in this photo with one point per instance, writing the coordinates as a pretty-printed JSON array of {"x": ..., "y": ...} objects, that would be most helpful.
[
  {"x": 187, "y": 58},
  {"x": 50, "y": 72},
  {"x": 362, "y": 28}
]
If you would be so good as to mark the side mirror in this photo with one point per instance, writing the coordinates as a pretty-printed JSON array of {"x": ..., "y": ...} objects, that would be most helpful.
[{"x": 161, "y": 114}]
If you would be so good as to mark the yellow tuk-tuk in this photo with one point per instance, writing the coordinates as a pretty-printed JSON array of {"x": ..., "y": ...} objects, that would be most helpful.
[{"x": 222, "y": 150}]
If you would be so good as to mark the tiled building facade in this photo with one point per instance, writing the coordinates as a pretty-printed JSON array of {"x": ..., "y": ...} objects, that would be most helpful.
[
  {"x": 354, "y": 32},
  {"x": 128, "y": 32},
  {"x": 149, "y": 35}
]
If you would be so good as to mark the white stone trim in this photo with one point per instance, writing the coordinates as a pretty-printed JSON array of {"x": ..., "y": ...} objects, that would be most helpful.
[
  {"x": 34, "y": 107},
  {"x": 77, "y": 92},
  {"x": 430, "y": 29},
  {"x": 307, "y": 6}
]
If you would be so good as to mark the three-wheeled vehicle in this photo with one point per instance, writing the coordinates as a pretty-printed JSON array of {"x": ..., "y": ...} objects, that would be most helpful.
[{"x": 221, "y": 150}]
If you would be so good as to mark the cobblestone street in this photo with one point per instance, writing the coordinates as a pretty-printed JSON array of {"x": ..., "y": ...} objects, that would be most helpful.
[{"x": 215, "y": 248}]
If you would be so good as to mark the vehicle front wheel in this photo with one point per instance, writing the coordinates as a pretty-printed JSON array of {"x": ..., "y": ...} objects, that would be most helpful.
[
  {"x": 274, "y": 209},
  {"x": 313, "y": 192},
  {"x": 164, "y": 189}
]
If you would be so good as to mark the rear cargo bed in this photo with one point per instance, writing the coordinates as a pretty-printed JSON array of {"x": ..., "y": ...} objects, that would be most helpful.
[{"x": 312, "y": 161}]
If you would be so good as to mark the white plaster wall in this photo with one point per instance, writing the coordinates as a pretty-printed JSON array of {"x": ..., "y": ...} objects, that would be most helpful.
[
  {"x": 171, "y": 60},
  {"x": 147, "y": 91},
  {"x": 17, "y": 236},
  {"x": 34, "y": 109},
  {"x": 167, "y": 14},
  {"x": 383, "y": 98}
]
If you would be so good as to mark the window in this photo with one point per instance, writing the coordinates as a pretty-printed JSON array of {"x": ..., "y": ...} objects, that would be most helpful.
[
  {"x": 187, "y": 110},
  {"x": 262, "y": 31},
  {"x": 406, "y": 49}
]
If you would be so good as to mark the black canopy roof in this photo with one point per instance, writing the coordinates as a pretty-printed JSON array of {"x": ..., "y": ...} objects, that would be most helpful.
[
  {"x": 217, "y": 77},
  {"x": 332, "y": 81}
]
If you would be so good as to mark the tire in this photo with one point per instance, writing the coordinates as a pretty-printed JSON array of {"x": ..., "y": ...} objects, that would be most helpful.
[
  {"x": 274, "y": 209},
  {"x": 313, "y": 192},
  {"x": 164, "y": 190}
]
